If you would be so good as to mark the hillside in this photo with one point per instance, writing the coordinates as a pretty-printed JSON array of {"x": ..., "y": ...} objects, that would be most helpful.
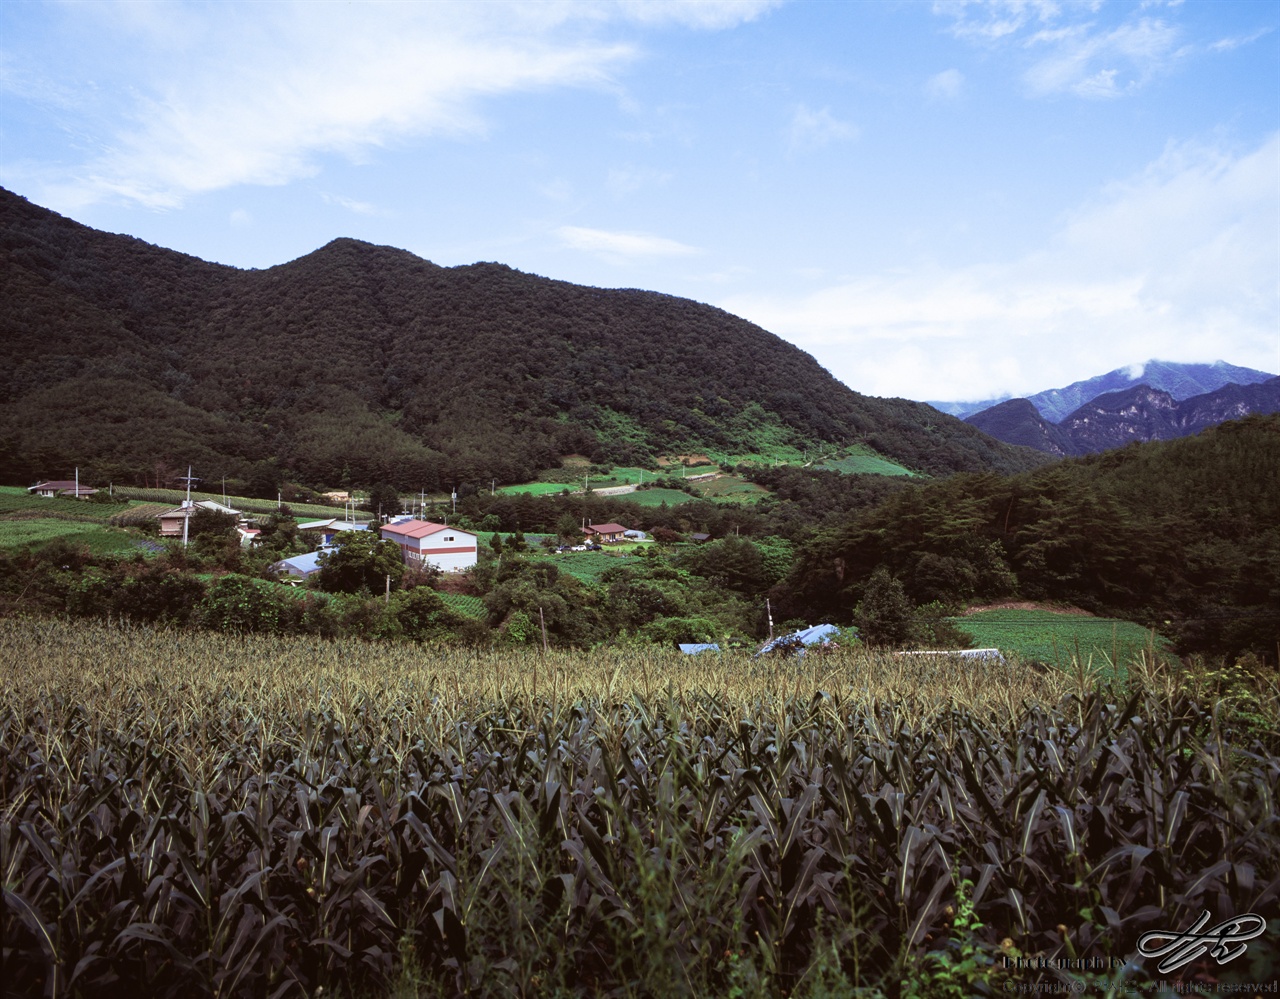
[
  {"x": 1114, "y": 419},
  {"x": 361, "y": 363},
  {"x": 1181, "y": 534},
  {"x": 1181, "y": 381}
]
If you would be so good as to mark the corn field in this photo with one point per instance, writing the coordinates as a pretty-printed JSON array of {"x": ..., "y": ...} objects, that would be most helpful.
[{"x": 204, "y": 815}]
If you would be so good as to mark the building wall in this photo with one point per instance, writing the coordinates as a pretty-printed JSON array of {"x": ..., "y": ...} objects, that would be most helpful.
[{"x": 450, "y": 550}]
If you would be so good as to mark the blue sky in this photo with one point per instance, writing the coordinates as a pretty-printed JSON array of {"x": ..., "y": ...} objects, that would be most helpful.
[{"x": 936, "y": 200}]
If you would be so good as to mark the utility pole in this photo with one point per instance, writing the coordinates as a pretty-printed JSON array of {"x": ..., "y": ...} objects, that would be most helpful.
[{"x": 186, "y": 506}]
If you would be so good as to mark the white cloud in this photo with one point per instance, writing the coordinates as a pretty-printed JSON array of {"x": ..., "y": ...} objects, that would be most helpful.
[
  {"x": 992, "y": 20},
  {"x": 1236, "y": 41},
  {"x": 944, "y": 86},
  {"x": 351, "y": 204},
  {"x": 622, "y": 245},
  {"x": 1102, "y": 64},
  {"x": 1076, "y": 48},
  {"x": 627, "y": 180},
  {"x": 212, "y": 97},
  {"x": 704, "y": 14},
  {"x": 811, "y": 129},
  {"x": 1178, "y": 262}
]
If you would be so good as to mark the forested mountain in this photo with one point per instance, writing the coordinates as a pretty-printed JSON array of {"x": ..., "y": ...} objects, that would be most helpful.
[
  {"x": 1114, "y": 419},
  {"x": 1181, "y": 381},
  {"x": 1017, "y": 421},
  {"x": 1182, "y": 535},
  {"x": 361, "y": 363}
]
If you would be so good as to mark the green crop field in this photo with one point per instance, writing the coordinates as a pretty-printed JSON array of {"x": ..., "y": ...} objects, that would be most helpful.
[
  {"x": 656, "y": 497},
  {"x": 198, "y": 814},
  {"x": 41, "y": 530},
  {"x": 865, "y": 464},
  {"x": 586, "y": 566},
  {"x": 730, "y": 489},
  {"x": 1058, "y": 639},
  {"x": 464, "y": 604},
  {"x": 243, "y": 503}
]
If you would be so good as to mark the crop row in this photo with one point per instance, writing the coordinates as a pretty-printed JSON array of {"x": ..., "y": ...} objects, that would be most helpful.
[{"x": 209, "y": 816}]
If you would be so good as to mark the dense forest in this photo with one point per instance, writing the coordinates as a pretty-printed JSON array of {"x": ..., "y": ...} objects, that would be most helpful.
[
  {"x": 360, "y": 364},
  {"x": 1180, "y": 535}
]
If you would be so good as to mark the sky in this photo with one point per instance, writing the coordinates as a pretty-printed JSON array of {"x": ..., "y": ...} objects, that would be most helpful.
[{"x": 952, "y": 200}]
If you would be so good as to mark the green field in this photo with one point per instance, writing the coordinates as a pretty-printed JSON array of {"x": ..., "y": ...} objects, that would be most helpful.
[
  {"x": 656, "y": 497},
  {"x": 730, "y": 489},
  {"x": 586, "y": 566},
  {"x": 865, "y": 464},
  {"x": 464, "y": 604},
  {"x": 1058, "y": 639},
  {"x": 558, "y": 480},
  {"x": 41, "y": 530},
  {"x": 242, "y": 503}
]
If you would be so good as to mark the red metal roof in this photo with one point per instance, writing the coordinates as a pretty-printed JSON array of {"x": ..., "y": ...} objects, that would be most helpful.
[
  {"x": 420, "y": 529},
  {"x": 605, "y": 529}
]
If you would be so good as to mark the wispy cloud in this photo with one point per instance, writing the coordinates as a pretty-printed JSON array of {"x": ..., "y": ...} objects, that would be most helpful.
[
  {"x": 1102, "y": 64},
  {"x": 1237, "y": 41},
  {"x": 351, "y": 204},
  {"x": 944, "y": 86},
  {"x": 704, "y": 14},
  {"x": 1182, "y": 253},
  {"x": 246, "y": 93},
  {"x": 622, "y": 245},
  {"x": 810, "y": 129},
  {"x": 1073, "y": 48},
  {"x": 627, "y": 180}
]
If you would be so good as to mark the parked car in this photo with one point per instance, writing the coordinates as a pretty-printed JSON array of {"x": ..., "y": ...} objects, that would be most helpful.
[{"x": 579, "y": 548}]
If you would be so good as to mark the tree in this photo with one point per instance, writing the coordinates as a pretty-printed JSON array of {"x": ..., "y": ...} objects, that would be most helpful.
[
  {"x": 383, "y": 500},
  {"x": 360, "y": 561},
  {"x": 884, "y": 615}
]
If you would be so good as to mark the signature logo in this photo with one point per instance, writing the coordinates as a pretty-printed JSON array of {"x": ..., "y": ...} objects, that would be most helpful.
[{"x": 1224, "y": 942}]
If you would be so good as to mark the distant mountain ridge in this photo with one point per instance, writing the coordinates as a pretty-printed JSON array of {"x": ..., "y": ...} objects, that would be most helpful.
[
  {"x": 1114, "y": 419},
  {"x": 358, "y": 364},
  {"x": 1181, "y": 381}
]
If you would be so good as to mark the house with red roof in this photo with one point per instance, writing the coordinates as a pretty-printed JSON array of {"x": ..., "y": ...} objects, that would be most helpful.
[
  {"x": 421, "y": 541},
  {"x": 605, "y": 533}
]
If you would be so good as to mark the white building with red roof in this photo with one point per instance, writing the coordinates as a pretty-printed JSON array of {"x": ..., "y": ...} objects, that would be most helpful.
[{"x": 447, "y": 548}]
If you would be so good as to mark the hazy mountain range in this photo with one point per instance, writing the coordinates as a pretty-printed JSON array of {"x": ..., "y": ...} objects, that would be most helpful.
[
  {"x": 1180, "y": 381},
  {"x": 1114, "y": 419}
]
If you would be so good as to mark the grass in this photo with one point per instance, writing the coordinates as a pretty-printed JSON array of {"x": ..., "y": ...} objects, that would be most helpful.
[
  {"x": 656, "y": 497},
  {"x": 865, "y": 464},
  {"x": 730, "y": 489},
  {"x": 40, "y": 531},
  {"x": 1059, "y": 639},
  {"x": 587, "y": 567}
]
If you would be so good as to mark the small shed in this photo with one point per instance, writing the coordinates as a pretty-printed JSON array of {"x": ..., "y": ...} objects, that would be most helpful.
[{"x": 298, "y": 566}]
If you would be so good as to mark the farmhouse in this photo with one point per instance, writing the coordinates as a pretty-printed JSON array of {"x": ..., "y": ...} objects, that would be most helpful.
[
  {"x": 171, "y": 520},
  {"x": 66, "y": 488},
  {"x": 607, "y": 533},
  {"x": 445, "y": 547}
]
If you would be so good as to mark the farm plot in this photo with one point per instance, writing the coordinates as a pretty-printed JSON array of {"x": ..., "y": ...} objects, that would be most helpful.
[
  {"x": 230, "y": 815},
  {"x": 1059, "y": 639}
]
